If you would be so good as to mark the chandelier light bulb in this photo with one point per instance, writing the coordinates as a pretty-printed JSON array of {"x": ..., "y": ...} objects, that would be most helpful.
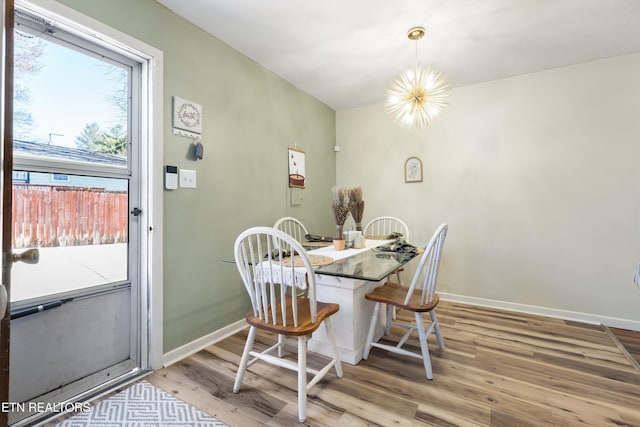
[{"x": 410, "y": 74}]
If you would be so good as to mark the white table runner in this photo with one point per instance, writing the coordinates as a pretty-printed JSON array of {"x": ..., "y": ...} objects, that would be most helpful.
[{"x": 336, "y": 255}]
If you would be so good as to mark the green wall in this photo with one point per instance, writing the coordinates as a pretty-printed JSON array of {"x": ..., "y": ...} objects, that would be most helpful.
[{"x": 250, "y": 117}]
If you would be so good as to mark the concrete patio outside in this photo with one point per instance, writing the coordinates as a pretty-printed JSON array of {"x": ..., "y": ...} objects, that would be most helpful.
[{"x": 66, "y": 268}]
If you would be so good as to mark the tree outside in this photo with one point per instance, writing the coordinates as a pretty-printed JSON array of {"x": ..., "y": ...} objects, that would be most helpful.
[{"x": 32, "y": 54}]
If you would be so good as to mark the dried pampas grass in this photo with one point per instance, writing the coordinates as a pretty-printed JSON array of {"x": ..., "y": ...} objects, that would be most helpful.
[
  {"x": 356, "y": 206},
  {"x": 340, "y": 208}
]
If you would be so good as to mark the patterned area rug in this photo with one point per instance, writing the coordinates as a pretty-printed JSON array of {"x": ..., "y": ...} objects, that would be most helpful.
[{"x": 142, "y": 404}]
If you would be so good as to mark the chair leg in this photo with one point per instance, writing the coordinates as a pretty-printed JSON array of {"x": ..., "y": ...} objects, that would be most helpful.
[
  {"x": 436, "y": 328},
  {"x": 332, "y": 339},
  {"x": 391, "y": 315},
  {"x": 302, "y": 378},
  {"x": 426, "y": 360},
  {"x": 399, "y": 277},
  {"x": 280, "y": 345},
  {"x": 372, "y": 329},
  {"x": 245, "y": 359}
]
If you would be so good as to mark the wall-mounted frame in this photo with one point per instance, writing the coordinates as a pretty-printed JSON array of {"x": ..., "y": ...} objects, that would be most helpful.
[
  {"x": 296, "y": 168},
  {"x": 413, "y": 170},
  {"x": 187, "y": 118}
]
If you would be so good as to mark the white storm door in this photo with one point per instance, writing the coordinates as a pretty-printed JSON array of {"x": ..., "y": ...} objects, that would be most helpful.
[
  {"x": 6, "y": 46},
  {"x": 76, "y": 314}
]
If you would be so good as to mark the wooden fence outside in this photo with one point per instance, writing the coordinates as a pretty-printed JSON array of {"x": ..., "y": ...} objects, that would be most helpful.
[{"x": 46, "y": 216}]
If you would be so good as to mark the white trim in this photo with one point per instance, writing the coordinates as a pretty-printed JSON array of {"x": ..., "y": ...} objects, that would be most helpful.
[
  {"x": 100, "y": 33},
  {"x": 195, "y": 346},
  {"x": 633, "y": 325},
  {"x": 153, "y": 195},
  {"x": 151, "y": 140}
]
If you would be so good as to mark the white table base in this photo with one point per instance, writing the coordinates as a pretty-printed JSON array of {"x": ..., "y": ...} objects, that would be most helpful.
[{"x": 351, "y": 323}]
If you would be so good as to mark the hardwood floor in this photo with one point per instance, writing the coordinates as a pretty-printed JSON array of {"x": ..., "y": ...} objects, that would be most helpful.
[
  {"x": 631, "y": 342},
  {"x": 498, "y": 369}
]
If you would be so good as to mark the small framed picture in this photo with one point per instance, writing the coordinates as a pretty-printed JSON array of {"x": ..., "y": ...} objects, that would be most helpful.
[
  {"x": 296, "y": 168},
  {"x": 413, "y": 170},
  {"x": 187, "y": 118}
]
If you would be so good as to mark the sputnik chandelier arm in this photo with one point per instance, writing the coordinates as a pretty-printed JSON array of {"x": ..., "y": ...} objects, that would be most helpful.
[{"x": 416, "y": 97}]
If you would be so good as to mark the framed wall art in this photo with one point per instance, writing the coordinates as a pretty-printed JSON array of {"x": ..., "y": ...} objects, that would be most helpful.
[
  {"x": 413, "y": 170},
  {"x": 296, "y": 168},
  {"x": 187, "y": 118}
]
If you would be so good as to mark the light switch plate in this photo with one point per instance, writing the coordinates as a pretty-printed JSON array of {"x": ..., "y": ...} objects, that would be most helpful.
[
  {"x": 187, "y": 178},
  {"x": 296, "y": 196}
]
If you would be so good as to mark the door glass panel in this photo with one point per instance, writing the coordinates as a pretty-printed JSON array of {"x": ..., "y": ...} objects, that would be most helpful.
[
  {"x": 71, "y": 118},
  {"x": 79, "y": 224},
  {"x": 70, "y": 105}
]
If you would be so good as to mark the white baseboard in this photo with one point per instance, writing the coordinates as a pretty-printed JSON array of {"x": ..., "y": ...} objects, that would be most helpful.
[
  {"x": 633, "y": 325},
  {"x": 195, "y": 346}
]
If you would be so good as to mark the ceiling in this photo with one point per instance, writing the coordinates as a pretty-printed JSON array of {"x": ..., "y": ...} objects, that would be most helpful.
[{"x": 345, "y": 52}]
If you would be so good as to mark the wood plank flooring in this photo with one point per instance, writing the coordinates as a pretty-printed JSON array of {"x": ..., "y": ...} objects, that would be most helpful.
[
  {"x": 631, "y": 342},
  {"x": 498, "y": 369}
]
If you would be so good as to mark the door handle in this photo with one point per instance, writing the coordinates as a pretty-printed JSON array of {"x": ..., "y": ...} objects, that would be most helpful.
[
  {"x": 30, "y": 256},
  {"x": 3, "y": 301}
]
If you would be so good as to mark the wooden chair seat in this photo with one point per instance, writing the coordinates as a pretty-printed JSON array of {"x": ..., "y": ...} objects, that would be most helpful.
[
  {"x": 394, "y": 294},
  {"x": 305, "y": 326}
]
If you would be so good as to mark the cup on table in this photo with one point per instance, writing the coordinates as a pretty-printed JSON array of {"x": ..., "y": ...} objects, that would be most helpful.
[
  {"x": 349, "y": 237},
  {"x": 359, "y": 240}
]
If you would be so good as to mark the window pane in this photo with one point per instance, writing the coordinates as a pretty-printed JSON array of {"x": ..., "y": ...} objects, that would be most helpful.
[
  {"x": 68, "y": 106},
  {"x": 80, "y": 227}
]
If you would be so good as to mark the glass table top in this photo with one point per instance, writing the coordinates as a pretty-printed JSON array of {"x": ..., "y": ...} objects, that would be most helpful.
[{"x": 370, "y": 265}]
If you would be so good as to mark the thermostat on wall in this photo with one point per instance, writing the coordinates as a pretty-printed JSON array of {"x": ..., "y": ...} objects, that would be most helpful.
[{"x": 171, "y": 177}]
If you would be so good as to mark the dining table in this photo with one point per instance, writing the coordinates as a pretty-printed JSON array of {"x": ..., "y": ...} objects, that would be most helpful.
[{"x": 346, "y": 280}]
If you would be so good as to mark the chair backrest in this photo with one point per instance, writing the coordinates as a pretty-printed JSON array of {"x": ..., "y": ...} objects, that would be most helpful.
[
  {"x": 273, "y": 279},
  {"x": 292, "y": 227},
  {"x": 385, "y": 225},
  {"x": 426, "y": 274}
]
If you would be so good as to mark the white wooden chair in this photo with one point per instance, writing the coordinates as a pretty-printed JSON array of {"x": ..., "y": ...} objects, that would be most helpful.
[
  {"x": 419, "y": 298},
  {"x": 278, "y": 308},
  {"x": 386, "y": 225},
  {"x": 292, "y": 227}
]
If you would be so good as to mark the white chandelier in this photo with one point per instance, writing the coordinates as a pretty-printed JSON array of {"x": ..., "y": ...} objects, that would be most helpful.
[{"x": 416, "y": 97}]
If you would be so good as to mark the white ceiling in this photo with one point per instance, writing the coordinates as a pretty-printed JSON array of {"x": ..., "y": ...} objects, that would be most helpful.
[{"x": 345, "y": 52}]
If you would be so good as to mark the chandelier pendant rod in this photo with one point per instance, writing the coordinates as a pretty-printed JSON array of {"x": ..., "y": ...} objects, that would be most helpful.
[{"x": 415, "y": 70}]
